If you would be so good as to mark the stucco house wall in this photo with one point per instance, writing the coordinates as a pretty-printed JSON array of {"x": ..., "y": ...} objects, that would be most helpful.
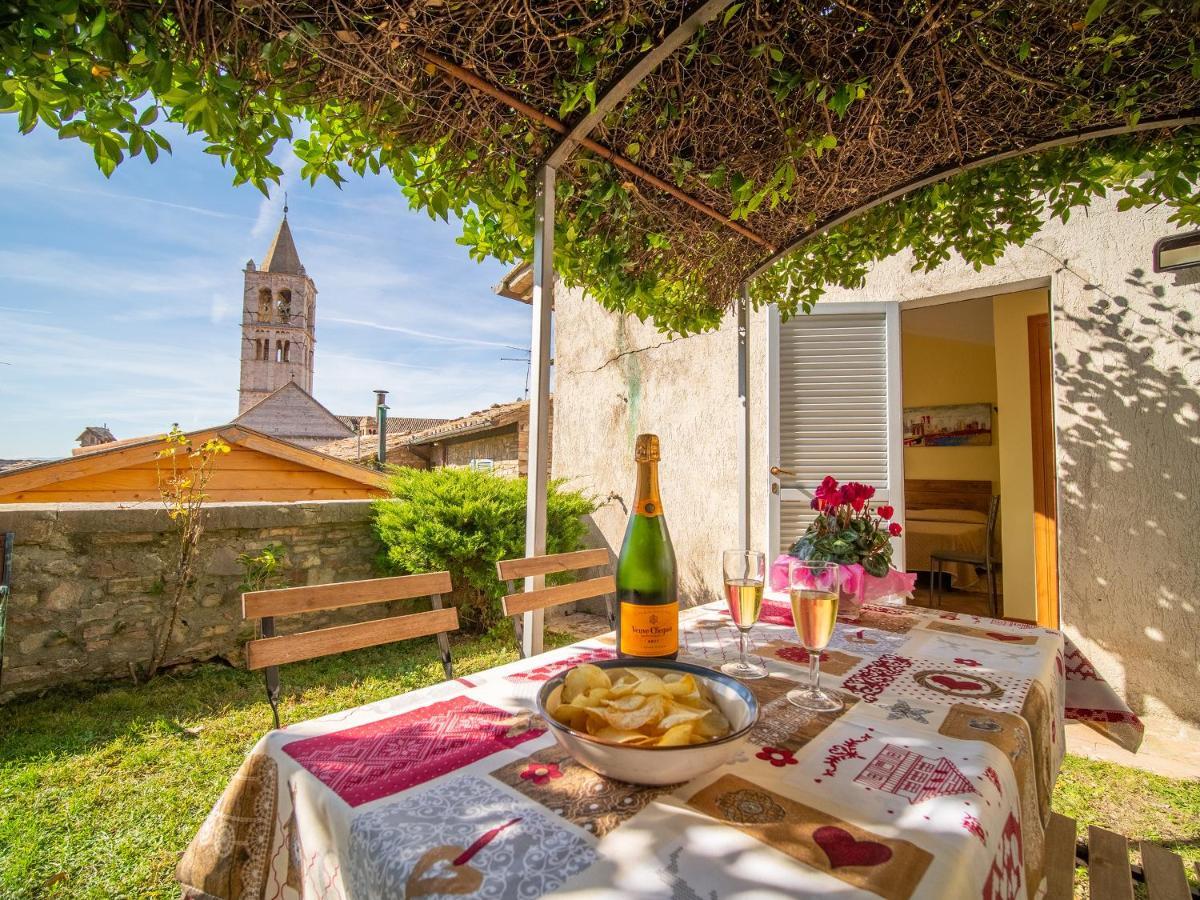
[{"x": 1127, "y": 423}]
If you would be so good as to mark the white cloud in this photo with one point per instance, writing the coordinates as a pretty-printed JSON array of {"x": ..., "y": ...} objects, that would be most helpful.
[{"x": 424, "y": 335}]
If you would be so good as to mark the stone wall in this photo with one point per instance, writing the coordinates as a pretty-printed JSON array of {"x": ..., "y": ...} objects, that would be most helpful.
[
  {"x": 500, "y": 448},
  {"x": 89, "y": 593},
  {"x": 1127, "y": 422}
]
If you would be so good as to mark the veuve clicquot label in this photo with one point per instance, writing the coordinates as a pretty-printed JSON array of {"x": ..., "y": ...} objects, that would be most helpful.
[{"x": 647, "y": 586}]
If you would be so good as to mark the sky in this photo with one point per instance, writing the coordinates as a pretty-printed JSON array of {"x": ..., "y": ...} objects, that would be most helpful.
[{"x": 120, "y": 298}]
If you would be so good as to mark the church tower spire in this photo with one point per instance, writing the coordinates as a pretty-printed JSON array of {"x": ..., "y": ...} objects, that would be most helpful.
[{"x": 279, "y": 306}]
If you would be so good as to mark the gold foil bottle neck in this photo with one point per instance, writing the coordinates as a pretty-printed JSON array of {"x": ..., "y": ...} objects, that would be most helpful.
[{"x": 646, "y": 448}]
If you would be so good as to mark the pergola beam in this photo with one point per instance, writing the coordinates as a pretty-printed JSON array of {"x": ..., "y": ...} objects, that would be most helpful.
[
  {"x": 1192, "y": 117},
  {"x": 470, "y": 78},
  {"x": 538, "y": 454}
]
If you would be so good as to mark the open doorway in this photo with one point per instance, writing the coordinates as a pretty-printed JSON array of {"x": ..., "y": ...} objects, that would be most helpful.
[{"x": 979, "y": 471}]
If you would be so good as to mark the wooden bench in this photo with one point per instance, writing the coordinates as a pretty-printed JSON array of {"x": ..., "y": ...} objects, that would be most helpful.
[
  {"x": 270, "y": 651},
  {"x": 516, "y": 602},
  {"x": 1106, "y": 856}
]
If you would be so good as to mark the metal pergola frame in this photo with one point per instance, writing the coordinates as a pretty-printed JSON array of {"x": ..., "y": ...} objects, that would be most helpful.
[{"x": 544, "y": 273}]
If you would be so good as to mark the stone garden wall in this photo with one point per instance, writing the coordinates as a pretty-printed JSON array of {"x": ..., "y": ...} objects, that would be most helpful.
[{"x": 89, "y": 594}]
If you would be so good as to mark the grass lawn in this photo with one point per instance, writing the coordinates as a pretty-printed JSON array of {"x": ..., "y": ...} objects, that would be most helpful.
[{"x": 101, "y": 788}]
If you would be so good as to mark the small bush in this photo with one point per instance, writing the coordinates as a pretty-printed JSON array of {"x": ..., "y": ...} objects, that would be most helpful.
[{"x": 464, "y": 522}]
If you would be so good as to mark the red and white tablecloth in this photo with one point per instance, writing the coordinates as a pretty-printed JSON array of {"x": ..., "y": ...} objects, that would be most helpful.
[{"x": 934, "y": 781}]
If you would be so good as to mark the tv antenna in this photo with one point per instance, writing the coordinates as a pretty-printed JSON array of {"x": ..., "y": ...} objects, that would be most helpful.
[{"x": 527, "y": 359}]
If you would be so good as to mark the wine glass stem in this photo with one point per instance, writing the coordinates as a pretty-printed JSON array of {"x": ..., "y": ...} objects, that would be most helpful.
[
  {"x": 814, "y": 670},
  {"x": 742, "y": 643}
]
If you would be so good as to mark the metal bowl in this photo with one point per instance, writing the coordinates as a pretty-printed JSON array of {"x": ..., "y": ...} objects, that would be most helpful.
[{"x": 658, "y": 765}]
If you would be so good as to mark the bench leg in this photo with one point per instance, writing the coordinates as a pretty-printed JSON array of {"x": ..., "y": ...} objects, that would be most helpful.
[
  {"x": 272, "y": 677},
  {"x": 516, "y": 620}
]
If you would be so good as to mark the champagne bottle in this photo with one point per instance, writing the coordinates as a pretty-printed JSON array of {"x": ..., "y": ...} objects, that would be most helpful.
[{"x": 647, "y": 585}]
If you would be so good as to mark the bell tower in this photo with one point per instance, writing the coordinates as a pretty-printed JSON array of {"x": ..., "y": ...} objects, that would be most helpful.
[{"x": 279, "y": 307}]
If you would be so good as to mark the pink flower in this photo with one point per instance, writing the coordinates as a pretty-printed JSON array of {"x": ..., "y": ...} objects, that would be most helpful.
[
  {"x": 776, "y": 756},
  {"x": 895, "y": 530},
  {"x": 540, "y": 773},
  {"x": 886, "y": 512}
]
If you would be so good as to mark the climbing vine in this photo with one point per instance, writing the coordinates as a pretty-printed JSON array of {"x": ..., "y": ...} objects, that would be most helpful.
[{"x": 778, "y": 115}]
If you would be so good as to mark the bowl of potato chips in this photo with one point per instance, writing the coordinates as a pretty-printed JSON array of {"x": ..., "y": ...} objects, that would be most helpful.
[{"x": 648, "y": 721}]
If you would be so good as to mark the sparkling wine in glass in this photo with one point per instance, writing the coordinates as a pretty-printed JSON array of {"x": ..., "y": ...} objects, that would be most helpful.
[
  {"x": 813, "y": 587},
  {"x": 745, "y": 575}
]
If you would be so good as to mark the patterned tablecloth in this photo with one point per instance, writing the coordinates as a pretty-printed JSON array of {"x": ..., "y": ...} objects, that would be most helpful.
[{"x": 933, "y": 782}]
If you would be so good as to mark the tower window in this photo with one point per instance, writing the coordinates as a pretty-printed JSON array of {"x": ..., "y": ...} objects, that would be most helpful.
[
  {"x": 279, "y": 351},
  {"x": 286, "y": 347},
  {"x": 264, "y": 304},
  {"x": 284, "y": 305}
]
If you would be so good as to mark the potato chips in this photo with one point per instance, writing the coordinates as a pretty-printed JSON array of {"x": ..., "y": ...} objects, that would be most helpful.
[{"x": 637, "y": 706}]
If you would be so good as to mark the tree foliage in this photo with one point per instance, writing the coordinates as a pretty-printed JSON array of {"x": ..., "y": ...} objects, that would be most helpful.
[
  {"x": 250, "y": 78},
  {"x": 464, "y": 522}
]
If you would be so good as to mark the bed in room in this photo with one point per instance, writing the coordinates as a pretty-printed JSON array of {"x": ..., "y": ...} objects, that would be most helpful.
[{"x": 945, "y": 514}]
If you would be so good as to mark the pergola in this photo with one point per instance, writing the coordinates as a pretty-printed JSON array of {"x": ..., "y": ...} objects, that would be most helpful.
[{"x": 687, "y": 151}]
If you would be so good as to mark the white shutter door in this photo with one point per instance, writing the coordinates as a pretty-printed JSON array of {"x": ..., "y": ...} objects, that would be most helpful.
[{"x": 838, "y": 408}]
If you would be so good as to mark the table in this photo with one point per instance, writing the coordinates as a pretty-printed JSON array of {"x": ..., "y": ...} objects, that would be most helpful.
[{"x": 933, "y": 782}]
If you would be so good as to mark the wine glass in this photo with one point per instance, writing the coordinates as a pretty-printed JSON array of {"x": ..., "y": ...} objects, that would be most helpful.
[
  {"x": 745, "y": 575},
  {"x": 813, "y": 587}
]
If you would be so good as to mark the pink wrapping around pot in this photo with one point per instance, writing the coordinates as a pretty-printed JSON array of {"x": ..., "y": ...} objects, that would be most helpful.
[{"x": 858, "y": 587}]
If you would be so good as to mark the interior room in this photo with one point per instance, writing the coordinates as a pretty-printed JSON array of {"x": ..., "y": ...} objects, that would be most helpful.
[{"x": 973, "y": 377}]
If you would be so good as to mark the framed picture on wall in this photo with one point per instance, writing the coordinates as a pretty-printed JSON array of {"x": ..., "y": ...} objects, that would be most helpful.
[{"x": 960, "y": 425}]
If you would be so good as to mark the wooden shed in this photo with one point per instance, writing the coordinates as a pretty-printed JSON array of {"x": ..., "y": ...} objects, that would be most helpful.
[{"x": 258, "y": 467}]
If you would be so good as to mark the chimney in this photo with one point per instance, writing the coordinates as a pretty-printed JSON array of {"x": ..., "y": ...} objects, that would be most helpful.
[{"x": 381, "y": 423}]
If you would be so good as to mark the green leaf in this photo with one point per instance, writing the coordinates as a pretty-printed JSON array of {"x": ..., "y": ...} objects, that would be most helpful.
[
  {"x": 1094, "y": 11},
  {"x": 731, "y": 12}
]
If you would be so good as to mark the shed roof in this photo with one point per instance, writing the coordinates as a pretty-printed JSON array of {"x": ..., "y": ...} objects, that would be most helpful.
[{"x": 136, "y": 453}]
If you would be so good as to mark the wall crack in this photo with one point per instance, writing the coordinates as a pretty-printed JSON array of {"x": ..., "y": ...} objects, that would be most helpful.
[{"x": 621, "y": 355}]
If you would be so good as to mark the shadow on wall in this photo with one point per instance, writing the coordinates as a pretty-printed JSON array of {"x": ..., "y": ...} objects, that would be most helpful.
[{"x": 1129, "y": 464}]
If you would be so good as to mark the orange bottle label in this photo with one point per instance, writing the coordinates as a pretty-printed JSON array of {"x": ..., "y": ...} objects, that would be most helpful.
[{"x": 650, "y": 630}]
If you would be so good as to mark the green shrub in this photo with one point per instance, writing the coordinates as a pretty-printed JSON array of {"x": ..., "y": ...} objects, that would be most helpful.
[{"x": 464, "y": 522}]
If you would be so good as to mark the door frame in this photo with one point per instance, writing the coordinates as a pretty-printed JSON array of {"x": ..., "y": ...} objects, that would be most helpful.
[
  {"x": 891, "y": 310},
  {"x": 1045, "y": 469}
]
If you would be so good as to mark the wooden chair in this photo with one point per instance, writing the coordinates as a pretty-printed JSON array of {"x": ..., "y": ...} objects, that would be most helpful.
[
  {"x": 517, "y": 602},
  {"x": 989, "y": 560},
  {"x": 269, "y": 652},
  {"x": 6, "y": 553},
  {"x": 1106, "y": 857}
]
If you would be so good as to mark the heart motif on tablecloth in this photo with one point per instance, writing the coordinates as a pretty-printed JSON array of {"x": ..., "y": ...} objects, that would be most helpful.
[
  {"x": 843, "y": 849},
  {"x": 956, "y": 684}
]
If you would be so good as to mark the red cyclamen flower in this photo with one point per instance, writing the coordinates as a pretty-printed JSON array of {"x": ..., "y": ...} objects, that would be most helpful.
[
  {"x": 886, "y": 512},
  {"x": 894, "y": 529},
  {"x": 857, "y": 494},
  {"x": 827, "y": 494}
]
